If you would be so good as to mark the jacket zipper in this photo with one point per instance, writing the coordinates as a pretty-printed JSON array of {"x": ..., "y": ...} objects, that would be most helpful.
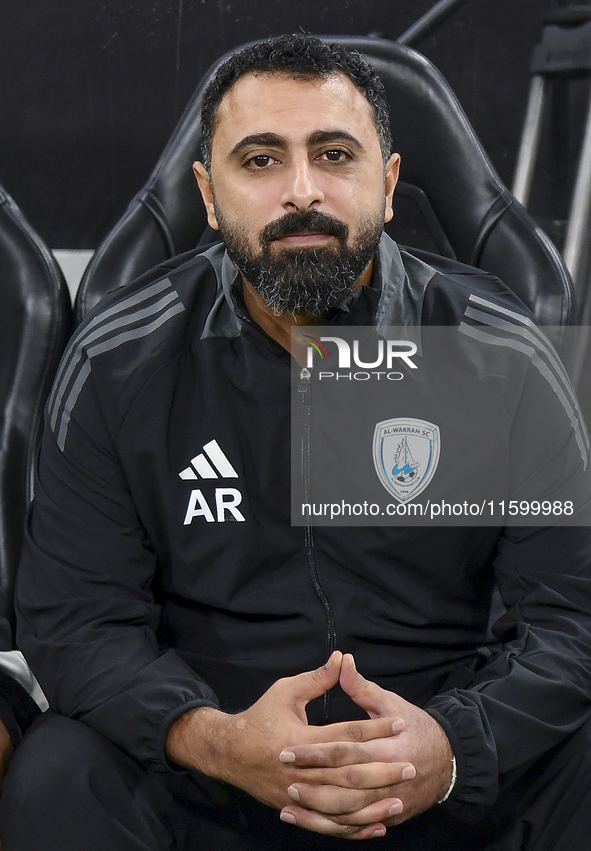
[{"x": 304, "y": 389}]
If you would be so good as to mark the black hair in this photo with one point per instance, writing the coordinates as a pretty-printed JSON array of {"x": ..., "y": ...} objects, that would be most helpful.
[{"x": 301, "y": 56}]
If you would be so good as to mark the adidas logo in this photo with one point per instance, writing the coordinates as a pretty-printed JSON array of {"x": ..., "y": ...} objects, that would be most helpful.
[
  {"x": 201, "y": 466},
  {"x": 212, "y": 464}
]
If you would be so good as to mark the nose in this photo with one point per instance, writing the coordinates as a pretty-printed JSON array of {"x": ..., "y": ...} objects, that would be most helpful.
[{"x": 302, "y": 189}]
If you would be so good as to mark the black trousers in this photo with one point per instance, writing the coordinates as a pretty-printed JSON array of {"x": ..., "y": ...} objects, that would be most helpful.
[{"x": 68, "y": 789}]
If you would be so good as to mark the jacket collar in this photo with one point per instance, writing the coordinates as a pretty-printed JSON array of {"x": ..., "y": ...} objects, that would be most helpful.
[{"x": 400, "y": 303}]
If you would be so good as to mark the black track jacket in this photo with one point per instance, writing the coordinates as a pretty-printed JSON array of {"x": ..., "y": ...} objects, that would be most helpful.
[{"x": 138, "y": 598}]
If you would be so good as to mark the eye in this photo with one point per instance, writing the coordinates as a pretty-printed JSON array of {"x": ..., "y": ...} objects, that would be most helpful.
[
  {"x": 260, "y": 161},
  {"x": 335, "y": 155}
]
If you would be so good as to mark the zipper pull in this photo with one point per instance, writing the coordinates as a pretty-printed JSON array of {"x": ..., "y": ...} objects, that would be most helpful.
[{"x": 305, "y": 376}]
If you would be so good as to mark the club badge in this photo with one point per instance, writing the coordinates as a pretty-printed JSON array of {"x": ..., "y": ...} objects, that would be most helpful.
[{"x": 405, "y": 455}]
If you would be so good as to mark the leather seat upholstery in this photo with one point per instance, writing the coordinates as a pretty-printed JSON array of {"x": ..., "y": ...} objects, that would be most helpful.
[
  {"x": 35, "y": 319},
  {"x": 450, "y": 200}
]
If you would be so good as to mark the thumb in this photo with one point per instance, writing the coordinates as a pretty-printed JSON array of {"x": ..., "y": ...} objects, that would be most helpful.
[
  {"x": 364, "y": 693},
  {"x": 305, "y": 687}
]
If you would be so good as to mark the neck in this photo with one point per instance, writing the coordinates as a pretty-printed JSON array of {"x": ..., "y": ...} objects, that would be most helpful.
[{"x": 279, "y": 327}]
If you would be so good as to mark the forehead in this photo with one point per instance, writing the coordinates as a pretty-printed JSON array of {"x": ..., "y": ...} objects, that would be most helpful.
[{"x": 292, "y": 107}]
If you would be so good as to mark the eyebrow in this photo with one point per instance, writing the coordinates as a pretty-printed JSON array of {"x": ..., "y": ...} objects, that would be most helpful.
[
  {"x": 318, "y": 137},
  {"x": 263, "y": 139}
]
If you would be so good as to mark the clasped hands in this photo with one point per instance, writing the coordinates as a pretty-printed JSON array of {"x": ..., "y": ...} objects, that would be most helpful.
[{"x": 351, "y": 779}]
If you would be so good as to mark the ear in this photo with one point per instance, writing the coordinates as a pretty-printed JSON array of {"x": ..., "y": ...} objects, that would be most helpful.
[
  {"x": 206, "y": 190},
  {"x": 391, "y": 179}
]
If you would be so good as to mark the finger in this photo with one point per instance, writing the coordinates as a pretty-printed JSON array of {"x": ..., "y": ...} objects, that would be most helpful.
[
  {"x": 311, "y": 684},
  {"x": 321, "y": 824},
  {"x": 338, "y": 801},
  {"x": 340, "y": 753},
  {"x": 387, "y": 811},
  {"x": 375, "y": 700},
  {"x": 343, "y": 732},
  {"x": 375, "y": 775},
  {"x": 361, "y": 731}
]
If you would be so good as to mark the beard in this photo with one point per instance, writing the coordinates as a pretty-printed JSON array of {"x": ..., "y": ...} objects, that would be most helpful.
[{"x": 306, "y": 281}]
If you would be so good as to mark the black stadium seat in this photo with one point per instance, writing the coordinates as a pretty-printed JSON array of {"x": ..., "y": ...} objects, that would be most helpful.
[
  {"x": 450, "y": 201},
  {"x": 35, "y": 318}
]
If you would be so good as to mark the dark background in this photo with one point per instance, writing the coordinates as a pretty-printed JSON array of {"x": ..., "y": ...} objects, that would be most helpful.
[{"x": 91, "y": 90}]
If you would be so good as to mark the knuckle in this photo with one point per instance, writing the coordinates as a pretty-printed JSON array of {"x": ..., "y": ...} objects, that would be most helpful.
[
  {"x": 349, "y": 831},
  {"x": 352, "y": 777},
  {"x": 348, "y": 808},
  {"x": 339, "y": 753},
  {"x": 355, "y": 732},
  {"x": 353, "y": 804},
  {"x": 352, "y": 824}
]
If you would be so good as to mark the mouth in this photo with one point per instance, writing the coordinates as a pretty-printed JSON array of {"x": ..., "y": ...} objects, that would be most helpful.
[
  {"x": 310, "y": 230},
  {"x": 304, "y": 240}
]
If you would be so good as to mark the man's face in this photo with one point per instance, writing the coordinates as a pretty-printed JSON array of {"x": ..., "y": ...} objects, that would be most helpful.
[{"x": 298, "y": 187}]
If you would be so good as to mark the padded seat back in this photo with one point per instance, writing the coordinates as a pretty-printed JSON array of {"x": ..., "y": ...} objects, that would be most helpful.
[
  {"x": 35, "y": 318},
  {"x": 450, "y": 200}
]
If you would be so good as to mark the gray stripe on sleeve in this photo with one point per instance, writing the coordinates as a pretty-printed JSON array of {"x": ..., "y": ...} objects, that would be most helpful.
[
  {"x": 102, "y": 331},
  {"x": 573, "y": 416},
  {"x": 100, "y": 319},
  {"x": 99, "y": 348},
  {"x": 537, "y": 342}
]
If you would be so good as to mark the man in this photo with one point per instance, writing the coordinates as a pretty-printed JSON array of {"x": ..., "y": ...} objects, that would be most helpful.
[{"x": 167, "y": 603}]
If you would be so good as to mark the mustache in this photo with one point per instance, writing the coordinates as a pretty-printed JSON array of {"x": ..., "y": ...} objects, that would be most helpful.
[{"x": 299, "y": 223}]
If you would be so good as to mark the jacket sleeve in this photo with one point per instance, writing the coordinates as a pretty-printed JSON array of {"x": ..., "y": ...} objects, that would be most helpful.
[
  {"x": 534, "y": 689},
  {"x": 21, "y": 699},
  {"x": 87, "y": 619}
]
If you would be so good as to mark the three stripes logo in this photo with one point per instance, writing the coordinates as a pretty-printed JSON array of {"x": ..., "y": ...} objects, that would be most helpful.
[
  {"x": 201, "y": 465},
  {"x": 212, "y": 463}
]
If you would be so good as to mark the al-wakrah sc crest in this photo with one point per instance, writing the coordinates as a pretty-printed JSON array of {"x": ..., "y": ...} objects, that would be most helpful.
[{"x": 405, "y": 455}]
